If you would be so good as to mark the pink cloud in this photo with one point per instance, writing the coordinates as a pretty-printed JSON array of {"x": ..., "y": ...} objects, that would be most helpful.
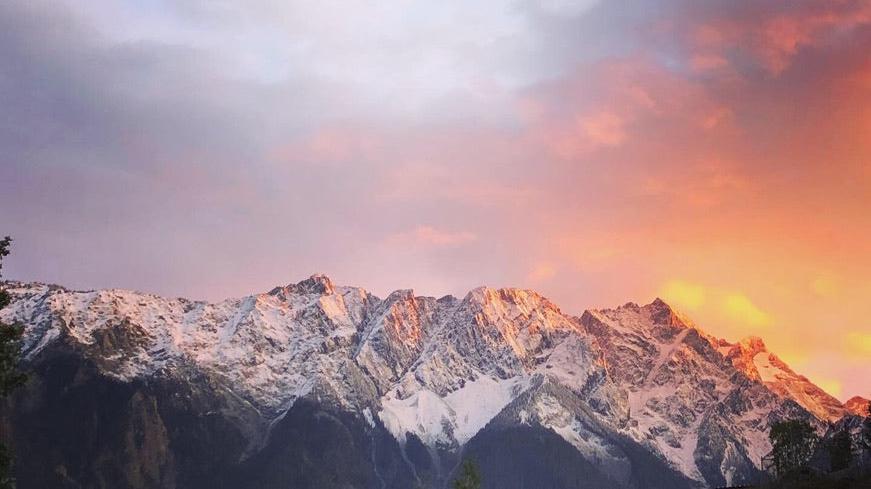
[
  {"x": 542, "y": 271},
  {"x": 604, "y": 129},
  {"x": 708, "y": 62},
  {"x": 430, "y": 236},
  {"x": 772, "y": 34}
]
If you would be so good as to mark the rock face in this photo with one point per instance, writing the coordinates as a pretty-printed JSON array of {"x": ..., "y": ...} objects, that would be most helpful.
[
  {"x": 753, "y": 359},
  {"x": 314, "y": 385},
  {"x": 857, "y": 405}
]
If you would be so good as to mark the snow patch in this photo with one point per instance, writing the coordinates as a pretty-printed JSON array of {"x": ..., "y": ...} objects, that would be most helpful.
[
  {"x": 767, "y": 371},
  {"x": 456, "y": 417},
  {"x": 367, "y": 414}
]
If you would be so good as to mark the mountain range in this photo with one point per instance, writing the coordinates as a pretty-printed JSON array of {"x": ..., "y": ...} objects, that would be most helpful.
[{"x": 315, "y": 385}]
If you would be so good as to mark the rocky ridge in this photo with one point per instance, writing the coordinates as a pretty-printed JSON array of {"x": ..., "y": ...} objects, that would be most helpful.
[
  {"x": 624, "y": 388},
  {"x": 857, "y": 405}
]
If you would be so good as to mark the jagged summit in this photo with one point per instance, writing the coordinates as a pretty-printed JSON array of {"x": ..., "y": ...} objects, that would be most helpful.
[
  {"x": 752, "y": 358},
  {"x": 752, "y": 345},
  {"x": 857, "y": 405},
  {"x": 743, "y": 356},
  {"x": 316, "y": 284},
  {"x": 436, "y": 372},
  {"x": 657, "y": 317}
]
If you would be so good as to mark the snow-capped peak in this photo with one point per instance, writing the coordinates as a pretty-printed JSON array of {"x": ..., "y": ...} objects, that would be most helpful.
[
  {"x": 662, "y": 313},
  {"x": 316, "y": 284},
  {"x": 743, "y": 356},
  {"x": 751, "y": 357},
  {"x": 441, "y": 369}
]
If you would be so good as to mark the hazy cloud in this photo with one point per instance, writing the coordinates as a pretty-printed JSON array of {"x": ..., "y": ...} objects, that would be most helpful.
[{"x": 600, "y": 151}]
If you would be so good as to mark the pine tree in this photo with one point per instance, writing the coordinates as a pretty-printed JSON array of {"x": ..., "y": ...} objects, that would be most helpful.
[
  {"x": 866, "y": 429},
  {"x": 793, "y": 443},
  {"x": 10, "y": 376},
  {"x": 840, "y": 449},
  {"x": 470, "y": 477}
]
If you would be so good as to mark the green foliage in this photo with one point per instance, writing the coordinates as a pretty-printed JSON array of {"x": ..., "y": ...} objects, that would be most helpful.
[
  {"x": 840, "y": 449},
  {"x": 469, "y": 478},
  {"x": 10, "y": 376},
  {"x": 793, "y": 443}
]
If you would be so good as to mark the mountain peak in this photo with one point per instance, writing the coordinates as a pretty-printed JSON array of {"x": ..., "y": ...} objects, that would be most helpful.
[
  {"x": 443, "y": 369},
  {"x": 662, "y": 313},
  {"x": 401, "y": 295},
  {"x": 317, "y": 284},
  {"x": 752, "y": 345},
  {"x": 743, "y": 357},
  {"x": 857, "y": 405},
  {"x": 487, "y": 295},
  {"x": 751, "y": 357}
]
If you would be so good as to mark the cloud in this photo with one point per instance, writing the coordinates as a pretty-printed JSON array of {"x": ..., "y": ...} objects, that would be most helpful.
[
  {"x": 541, "y": 272},
  {"x": 604, "y": 154},
  {"x": 430, "y": 236},
  {"x": 716, "y": 303},
  {"x": 831, "y": 386},
  {"x": 566, "y": 7},
  {"x": 604, "y": 129},
  {"x": 858, "y": 343},
  {"x": 771, "y": 34},
  {"x": 825, "y": 286},
  {"x": 740, "y": 308},
  {"x": 685, "y": 295},
  {"x": 708, "y": 62}
]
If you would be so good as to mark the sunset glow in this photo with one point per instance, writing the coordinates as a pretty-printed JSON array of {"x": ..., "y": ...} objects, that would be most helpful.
[{"x": 716, "y": 154}]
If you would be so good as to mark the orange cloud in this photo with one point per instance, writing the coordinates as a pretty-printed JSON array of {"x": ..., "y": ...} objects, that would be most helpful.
[
  {"x": 717, "y": 305},
  {"x": 741, "y": 308},
  {"x": 541, "y": 272},
  {"x": 684, "y": 295},
  {"x": 825, "y": 286},
  {"x": 832, "y": 386},
  {"x": 700, "y": 181},
  {"x": 858, "y": 343},
  {"x": 604, "y": 129}
]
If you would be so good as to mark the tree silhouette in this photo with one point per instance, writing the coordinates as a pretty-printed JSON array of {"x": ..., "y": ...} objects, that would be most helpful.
[
  {"x": 840, "y": 449},
  {"x": 10, "y": 377},
  {"x": 865, "y": 439},
  {"x": 469, "y": 478},
  {"x": 793, "y": 443}
]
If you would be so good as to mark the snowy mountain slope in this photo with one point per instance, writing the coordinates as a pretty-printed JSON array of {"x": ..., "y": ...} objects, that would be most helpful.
[
  {"x": 751, "y": 357},
  {"x": 440, "y": 370},
  {"x": 272, "y": 348},
  {"x": 480, "y": 354},
  {"x": 602, "y": 455},
  {"x": 685, "y": 400}
]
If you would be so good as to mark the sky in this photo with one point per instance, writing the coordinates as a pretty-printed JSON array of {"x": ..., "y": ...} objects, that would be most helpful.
[{"x": 716, "y": 154}]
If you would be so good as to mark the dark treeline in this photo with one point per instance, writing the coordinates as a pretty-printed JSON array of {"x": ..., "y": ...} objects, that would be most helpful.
[
  {"x": 10, "y": 376},
  {"x": 800, "y": 459}
]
